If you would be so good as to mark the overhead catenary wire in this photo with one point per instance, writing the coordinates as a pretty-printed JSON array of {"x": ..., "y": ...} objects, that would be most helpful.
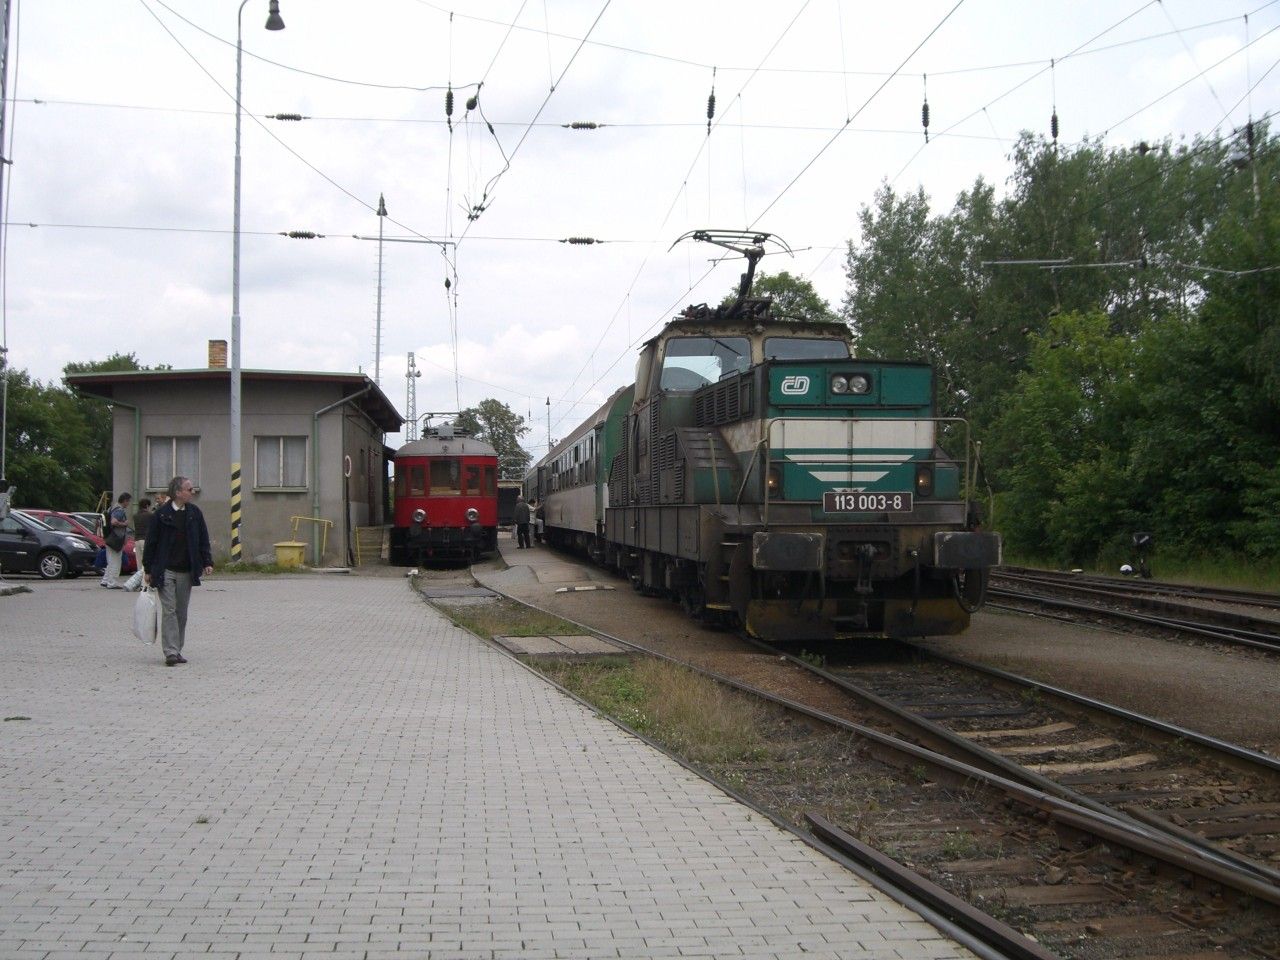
[
  {"x": 818, "y": 71},
  {"x": 680, "y": 191},
  {"x": 475, "y": 233}
]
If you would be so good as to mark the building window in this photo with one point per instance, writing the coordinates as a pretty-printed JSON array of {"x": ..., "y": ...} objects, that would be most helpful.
[
  {"x": 169, "y": 457},
  {"x": 280, "y": 463}
]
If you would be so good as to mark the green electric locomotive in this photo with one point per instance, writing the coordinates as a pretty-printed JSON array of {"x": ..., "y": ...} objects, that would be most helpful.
[{"x": 759, "y": 473}]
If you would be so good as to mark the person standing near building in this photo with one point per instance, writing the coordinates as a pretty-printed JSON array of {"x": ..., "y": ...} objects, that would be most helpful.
[
  {"x": 177, "y": 554},
  {"x": 521, "y": 517},
  {"x": 113, "y": 537},
  {"x": 141, "y": 527}
]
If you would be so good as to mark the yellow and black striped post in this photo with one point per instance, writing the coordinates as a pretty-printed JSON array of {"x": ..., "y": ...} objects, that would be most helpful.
[{"x": 235, "y": 513}]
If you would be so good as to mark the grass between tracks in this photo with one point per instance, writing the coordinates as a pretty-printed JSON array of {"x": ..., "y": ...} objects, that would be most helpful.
[
  {"x": 786, "y": 764},
  {"x": 690, "y": 715},
  {"x": 505, "y": 618}
]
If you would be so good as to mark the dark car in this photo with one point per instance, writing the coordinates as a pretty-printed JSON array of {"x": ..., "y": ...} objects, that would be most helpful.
[
  {"x": 29, "y": 546},
  {"x": 83, "y": 525}
]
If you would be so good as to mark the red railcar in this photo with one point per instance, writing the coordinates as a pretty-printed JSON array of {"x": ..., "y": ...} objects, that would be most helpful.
[{"x": 446, "y": 498}]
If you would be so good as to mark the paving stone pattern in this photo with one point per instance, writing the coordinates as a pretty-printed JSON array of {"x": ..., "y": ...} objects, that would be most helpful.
[{"x": 340, "y": 773}]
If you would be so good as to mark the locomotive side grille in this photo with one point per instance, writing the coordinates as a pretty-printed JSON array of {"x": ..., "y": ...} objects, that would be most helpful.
[
  {"x": 619, "y": 489},
  {"x": 678, "y": 484},
  {"x": 724, "y": 402},
  {"x": 667, "y": 451},
  {"x": 653, "y": 480}
]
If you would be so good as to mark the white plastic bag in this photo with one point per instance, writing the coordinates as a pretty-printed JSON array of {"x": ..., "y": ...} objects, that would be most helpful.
[{"x": 146, "y": 616}]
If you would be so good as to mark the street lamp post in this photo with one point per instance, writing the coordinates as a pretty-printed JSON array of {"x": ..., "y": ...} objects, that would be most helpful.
[{"x": 274, "y": 22}]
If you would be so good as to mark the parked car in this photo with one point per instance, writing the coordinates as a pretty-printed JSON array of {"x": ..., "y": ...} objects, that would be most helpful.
[
  {"x": 90, "y": 521},
  {"x": 28, "y": 545},
  {"x": 83, "y": 525}
]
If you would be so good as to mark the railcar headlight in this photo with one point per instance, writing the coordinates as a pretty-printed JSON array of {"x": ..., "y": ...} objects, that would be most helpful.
[
  {"x": 419, "y": 515},
  {"x": 773, "y": 480},
  {"x": 839, "y": 384},
  {"x": 859, "y": 383},
  {"x": 924, "y": 481},
  {"x": 472, "y": 514}
]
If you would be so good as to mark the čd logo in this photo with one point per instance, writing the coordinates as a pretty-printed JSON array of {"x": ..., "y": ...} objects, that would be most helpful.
[{"x": 795, "y": 386}]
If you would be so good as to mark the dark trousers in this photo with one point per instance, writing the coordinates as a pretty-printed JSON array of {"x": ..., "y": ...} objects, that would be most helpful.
[{"x": 522, "y": 535}]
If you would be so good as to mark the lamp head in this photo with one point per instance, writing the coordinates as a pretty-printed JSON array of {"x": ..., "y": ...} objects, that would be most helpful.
[{"x": 274, "y": 20}]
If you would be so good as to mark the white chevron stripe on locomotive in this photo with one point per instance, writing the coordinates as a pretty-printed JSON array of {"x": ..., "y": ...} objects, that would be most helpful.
[{"x": 818, "y": 434}]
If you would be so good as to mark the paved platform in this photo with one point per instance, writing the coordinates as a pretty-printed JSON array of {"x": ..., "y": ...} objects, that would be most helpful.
[{"x": 340, "y": 773}]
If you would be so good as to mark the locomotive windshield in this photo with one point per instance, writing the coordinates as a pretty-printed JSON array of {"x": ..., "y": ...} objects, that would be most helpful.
[
  {"x": 801, "y": 348},
  {"x": 692, "y": 362}
]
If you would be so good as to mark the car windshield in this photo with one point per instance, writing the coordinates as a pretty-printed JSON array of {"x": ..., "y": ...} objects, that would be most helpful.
[
  {"x": 692, "y": 362},
  {"x": 804, "y": 348},
  {"x": 32, "y": 520}
]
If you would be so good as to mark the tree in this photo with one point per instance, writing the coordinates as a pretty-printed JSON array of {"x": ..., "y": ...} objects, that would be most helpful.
[
  {"x": 97, "y": 416},
  {"x": 51, "y": 459},
  {"x": 501, "y": 427}
]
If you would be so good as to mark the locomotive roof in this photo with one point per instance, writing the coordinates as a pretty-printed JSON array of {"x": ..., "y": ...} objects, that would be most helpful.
[
  {"x": 757, "y": 318},
  {"x": 456, "y": 445}
]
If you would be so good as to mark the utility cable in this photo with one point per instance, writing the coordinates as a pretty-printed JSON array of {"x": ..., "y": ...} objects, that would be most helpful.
[
  {"x": 681, "y": 190},
  {"x": 492, "y": 185},
  {"x": 875, "y": 93}
]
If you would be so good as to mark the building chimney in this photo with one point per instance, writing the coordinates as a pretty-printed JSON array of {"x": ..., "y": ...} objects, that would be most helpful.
[{"x": 217, "y": 354}]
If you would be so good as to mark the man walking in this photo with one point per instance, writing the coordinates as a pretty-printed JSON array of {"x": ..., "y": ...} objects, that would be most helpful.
[
  {"x": 177, "y": 553},
  {"x": 522, "y": 523}
]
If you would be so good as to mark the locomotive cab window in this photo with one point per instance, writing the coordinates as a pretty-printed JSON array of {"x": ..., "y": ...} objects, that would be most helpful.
[
  {"x": 804, "y": 348},
  {"x": 445, "y": 477},
  {"x": 411, "y": 480},
  {"x": 690, "y": 363},
  {"x": 471, "y": 479}
]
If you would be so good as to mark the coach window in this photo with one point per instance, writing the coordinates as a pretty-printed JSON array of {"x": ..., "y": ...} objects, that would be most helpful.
[
  {"x": 490, "y": 482},
  {"x": 417, "y": 480},
  {"x": 444, "y": 476},
  {"x": 471, "y": 478}
]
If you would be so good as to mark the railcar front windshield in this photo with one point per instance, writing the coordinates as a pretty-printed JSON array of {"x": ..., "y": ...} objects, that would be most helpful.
[
  {"x": 689, "y": 363},
  {"x": 804, "y": 348}
]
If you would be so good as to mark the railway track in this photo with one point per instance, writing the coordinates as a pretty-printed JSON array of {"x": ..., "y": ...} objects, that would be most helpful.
[
  {"x": 1081, "y": 826},
  {"x": 1183, "y": 591},
  {"x": 1142, "y": 603}
]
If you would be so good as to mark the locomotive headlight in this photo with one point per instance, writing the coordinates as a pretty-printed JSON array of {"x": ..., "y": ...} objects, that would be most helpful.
[
  {"x": 859, "y": 383},
  {"x": 839, "y": 384},
  {"x": 472, "y": 514},
  {"x": 924, "y": 481},
  {"x": 773, "y": 480},
  {"x": 419, "y": 515}
]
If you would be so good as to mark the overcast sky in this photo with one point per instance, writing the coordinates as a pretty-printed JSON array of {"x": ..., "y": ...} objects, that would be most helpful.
[{"x": 121, "y": 125}]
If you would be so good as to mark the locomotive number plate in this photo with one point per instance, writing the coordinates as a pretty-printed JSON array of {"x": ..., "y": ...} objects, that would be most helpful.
[{"x": 866, "y": 501}]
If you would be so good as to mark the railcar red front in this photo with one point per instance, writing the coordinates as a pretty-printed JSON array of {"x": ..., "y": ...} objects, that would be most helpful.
[{"x": 446, "y": 507}]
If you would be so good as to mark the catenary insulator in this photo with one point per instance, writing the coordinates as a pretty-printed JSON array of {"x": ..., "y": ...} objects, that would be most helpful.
[
  {"x": 284, "y": 116},
  {"x": 924, "y": 120},
  {"x": 448, "y": 102},
  {"x": 473, "y": 102},
  {"x": 447, "y": 283},
  {"x": 581, "y": 240},
  {"x": 582, "y": 125},
  {"x": 1053, "y": 124},
  {"x": 302, "y": 235}
]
